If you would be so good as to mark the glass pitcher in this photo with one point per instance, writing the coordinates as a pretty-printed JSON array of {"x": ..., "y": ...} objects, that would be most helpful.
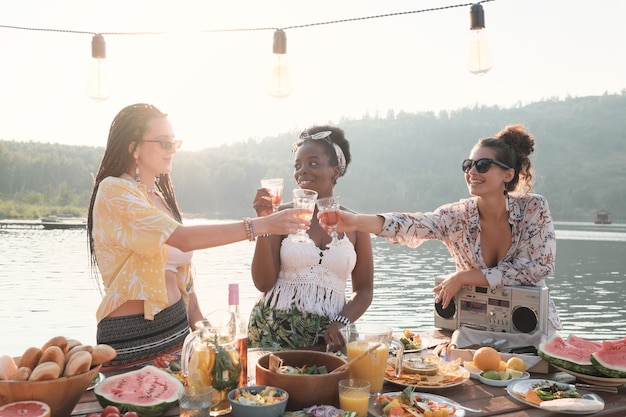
[
  {"x": 361, "y": 337},
  {"x": 210, "y": 358}
]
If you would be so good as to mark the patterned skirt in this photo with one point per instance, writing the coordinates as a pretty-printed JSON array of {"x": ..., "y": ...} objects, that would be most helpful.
[
  {"x": 290, "y": 329},
  {"x": 139, "y": 341}
]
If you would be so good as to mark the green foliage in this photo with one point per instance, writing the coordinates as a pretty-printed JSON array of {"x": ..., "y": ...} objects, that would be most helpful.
[{"x": 403, "y": 161}]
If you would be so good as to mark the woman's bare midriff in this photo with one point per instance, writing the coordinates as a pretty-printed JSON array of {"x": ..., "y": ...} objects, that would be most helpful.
[{"x": 136, "y": 306}]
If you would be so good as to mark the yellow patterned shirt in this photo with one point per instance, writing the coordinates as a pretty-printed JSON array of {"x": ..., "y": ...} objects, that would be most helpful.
[{"x": 129, "y": 234}]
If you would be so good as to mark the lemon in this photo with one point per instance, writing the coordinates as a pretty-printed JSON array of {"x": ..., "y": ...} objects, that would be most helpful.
[
  {"x": 495, "y": 375},
  {"x": 200, "y": 366},
  {"x": 516, "y": 364},
  {"x": 504, "y": 375},
  {"x": 502, "y": 366},
  {"x": 471, "y": 367}
]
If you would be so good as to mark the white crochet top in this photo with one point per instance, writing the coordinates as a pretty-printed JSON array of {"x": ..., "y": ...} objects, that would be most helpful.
[{"x": 312, "y": 279}]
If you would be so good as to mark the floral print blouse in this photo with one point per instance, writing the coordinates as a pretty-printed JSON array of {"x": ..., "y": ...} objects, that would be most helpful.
[
  {"x": 129, "y": 234},
  {"x": 529, "y": 261}
]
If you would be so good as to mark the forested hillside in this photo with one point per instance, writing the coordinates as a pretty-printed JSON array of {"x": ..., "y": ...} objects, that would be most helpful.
[{"x": 400, "y": 162}]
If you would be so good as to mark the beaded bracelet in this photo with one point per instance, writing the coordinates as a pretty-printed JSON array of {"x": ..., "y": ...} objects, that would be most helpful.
[
  {"x": 247, "y": 224},
  {"x": 340, "y": 319}
]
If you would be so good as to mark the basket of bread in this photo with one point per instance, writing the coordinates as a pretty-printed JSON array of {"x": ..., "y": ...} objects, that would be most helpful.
[{"x": 57, "y": 373}]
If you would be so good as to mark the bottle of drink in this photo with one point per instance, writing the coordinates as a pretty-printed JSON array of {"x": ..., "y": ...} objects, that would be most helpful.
[{"x": 241, "y": 332}]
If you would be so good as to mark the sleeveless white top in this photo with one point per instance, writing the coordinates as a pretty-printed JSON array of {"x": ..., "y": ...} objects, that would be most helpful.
[
  {"x": 312, "y": 279},
  {"x": 176, "y": 258}
]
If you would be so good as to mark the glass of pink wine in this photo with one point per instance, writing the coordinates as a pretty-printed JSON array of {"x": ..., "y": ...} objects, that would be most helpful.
[
  {"x": 303, "y": 198},
  {"x": 275, "y": 187},
  {"x": 329, "y": 212}
]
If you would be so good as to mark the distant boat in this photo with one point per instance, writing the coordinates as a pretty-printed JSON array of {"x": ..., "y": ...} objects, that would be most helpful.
[
  {"x": 602, "y": 217},
  {"x": 63, "y": 222}
]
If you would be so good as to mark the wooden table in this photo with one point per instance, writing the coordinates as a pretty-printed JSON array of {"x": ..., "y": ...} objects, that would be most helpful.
[{"x": 493, "y": 401}]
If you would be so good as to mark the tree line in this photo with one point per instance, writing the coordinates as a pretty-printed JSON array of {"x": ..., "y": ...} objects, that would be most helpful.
[{"x": 401, "y": 162}]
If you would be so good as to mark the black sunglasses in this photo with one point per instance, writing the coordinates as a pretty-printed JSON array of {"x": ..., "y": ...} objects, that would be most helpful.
[
  {"x": 167, "y": 145},
  {"x": 482, "y": 165}
]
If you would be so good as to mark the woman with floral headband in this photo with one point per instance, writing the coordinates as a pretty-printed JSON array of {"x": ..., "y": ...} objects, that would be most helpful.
[
  {"x": 503, "y": 235},
  {"x": 303, "y": 285},
  {"x": 140, "y": 246}
]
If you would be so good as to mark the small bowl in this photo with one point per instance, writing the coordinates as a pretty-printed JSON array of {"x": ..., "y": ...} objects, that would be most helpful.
[
  {"x": 304, "y": 390},
  {"x": 257, "y": 410},
  {"x": 501, "y": 382},
  {"x": 61, "y": 394}
]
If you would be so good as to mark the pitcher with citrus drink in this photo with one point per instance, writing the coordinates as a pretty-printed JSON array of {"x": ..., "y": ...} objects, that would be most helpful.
[{"x": 361, "y": 338}]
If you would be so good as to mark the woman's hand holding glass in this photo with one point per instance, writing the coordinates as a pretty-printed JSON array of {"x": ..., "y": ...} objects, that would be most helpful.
[
  {"x": 275, "y": 187},
  {"x": 285, "y": 222}
]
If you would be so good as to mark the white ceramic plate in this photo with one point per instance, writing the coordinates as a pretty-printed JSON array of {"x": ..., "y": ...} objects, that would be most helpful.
[
  {"x": 374, "y": 407},
  {"x": 466, "y": 376},
  {"x": 500, "y": 382},
  {"x": 523, "y": 386},
  {"x": 98, "y": 379},
  {"x": 597, "y": 380},
  {"x": 398, "y": 336}
]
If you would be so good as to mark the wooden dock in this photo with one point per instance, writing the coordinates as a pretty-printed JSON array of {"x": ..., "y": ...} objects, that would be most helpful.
[{"x": 38, "y": 224}]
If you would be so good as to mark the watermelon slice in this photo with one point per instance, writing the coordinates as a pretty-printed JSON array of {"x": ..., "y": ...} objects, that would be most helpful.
[
  {"x": 583, "y": 343},
  {"x": 561, "y": 353},
  {"x": 25, "y": 409},
  {"x": 611, "y": 359},
  {"x": 148, "y": 391}
]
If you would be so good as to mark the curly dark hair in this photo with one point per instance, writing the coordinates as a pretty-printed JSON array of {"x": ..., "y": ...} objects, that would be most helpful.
[
  {"x": 513, "y": 146},
  {"x": 337, "y": 136}
]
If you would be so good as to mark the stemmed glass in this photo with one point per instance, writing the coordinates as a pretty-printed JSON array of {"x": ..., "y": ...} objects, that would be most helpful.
[
  {"x": 304, "y": 199},
  {"x": 275, "y": 185},
  {"x": 329, "y": 212}
]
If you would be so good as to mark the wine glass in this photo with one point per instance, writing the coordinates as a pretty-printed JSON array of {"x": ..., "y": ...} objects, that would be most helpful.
[
  {"x": 303, "y": 198},
  {"x": 275, "y": 185},
  {"x": 329, "y": 212}
]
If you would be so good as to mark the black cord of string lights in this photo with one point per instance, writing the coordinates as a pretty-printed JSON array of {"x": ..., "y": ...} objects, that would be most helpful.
[{"x": 332, "y": 22}]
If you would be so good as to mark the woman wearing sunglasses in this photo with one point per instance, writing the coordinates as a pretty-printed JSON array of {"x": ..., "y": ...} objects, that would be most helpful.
[
  {"x": 139, "y": 244},
  {"x": 502, "y": 235},
  {"x": 303, "y": 285}
]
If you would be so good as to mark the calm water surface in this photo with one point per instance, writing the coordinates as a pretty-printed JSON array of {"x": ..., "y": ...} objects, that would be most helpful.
[{"x": 47, "y": 290}]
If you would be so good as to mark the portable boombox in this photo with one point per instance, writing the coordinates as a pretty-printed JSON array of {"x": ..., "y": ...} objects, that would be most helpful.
[{"x": 511, "y": 309}]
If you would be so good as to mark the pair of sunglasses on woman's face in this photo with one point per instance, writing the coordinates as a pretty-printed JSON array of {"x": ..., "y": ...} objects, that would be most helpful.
[{"x": 482, "y": 165}]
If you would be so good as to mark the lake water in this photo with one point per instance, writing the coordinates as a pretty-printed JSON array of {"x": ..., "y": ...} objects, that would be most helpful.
[{"x": 47, "y": 288}]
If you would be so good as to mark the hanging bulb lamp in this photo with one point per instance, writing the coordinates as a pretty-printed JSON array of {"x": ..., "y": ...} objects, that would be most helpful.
[
  {"x": 280, "y": 82},
  {"x": 98, "y": 85},
  {"x": 480, "y": 61}
]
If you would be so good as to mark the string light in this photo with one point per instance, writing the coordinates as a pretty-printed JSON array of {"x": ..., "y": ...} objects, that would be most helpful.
[
  {"x": 480, "y": 61},
  {"x": 99, "y": 88},
  {"x": 280, "y": 82},
  {"x": 98, "y": 85}
]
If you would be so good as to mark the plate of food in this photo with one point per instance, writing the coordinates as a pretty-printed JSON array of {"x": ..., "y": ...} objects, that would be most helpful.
[
  {"x": 427, "y": 371},
  {"x": 554, "y": 396},
  {"x": 412, "y": 342},
  {"x": 596, "y": 380},
  {"x": 414, "y": 403},
  {"x": 501, "y": 378}
]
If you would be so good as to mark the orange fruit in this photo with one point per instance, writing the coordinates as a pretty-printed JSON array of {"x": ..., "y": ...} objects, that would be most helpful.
[
  {"x": 25, "y": 409},
  {"x": 486, "y": 359}
]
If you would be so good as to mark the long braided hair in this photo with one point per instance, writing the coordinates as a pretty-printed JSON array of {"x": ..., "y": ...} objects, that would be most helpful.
[{"x": 128, "y": 126}]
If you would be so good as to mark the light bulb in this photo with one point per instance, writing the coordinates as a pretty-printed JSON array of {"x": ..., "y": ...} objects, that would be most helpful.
[
  {"x": 480, "y": 61},
  {"x": 98, "y": 85},
  {"x": 280, "y": 82}
]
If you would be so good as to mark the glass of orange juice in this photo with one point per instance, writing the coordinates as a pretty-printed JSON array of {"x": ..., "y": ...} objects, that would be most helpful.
[
  {"x": 354, "y": 395},
  {"x": 374, "y": 340}
]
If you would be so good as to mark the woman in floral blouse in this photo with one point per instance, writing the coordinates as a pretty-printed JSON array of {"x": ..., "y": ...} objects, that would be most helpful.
[{"x": 503, "y": 235}]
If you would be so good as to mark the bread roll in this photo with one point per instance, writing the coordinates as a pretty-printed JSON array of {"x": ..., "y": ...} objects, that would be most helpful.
[
  {"x": 71, "y": 343},
  {"x": 22, "y": 374},
  {"x": 30, "y": 358},
  {"x": 53, "y": 354},
  {"x": 45, "y": 371},
  {"x": 102, "y": 353},
  {"x": 60, "y": 341},
  {"x": 7, "y": 367},
  {"x": 78, "y": 348},
  {"x": 79, "y": 363}
]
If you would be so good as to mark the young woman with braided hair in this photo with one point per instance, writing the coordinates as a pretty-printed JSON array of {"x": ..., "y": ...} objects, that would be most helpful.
[
  {"x": 141, "y": 248},
  {"x": 503, "y": 235}
]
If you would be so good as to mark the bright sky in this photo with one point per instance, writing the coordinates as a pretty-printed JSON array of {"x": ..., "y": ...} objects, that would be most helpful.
[{"x": 214, "y": 85}]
